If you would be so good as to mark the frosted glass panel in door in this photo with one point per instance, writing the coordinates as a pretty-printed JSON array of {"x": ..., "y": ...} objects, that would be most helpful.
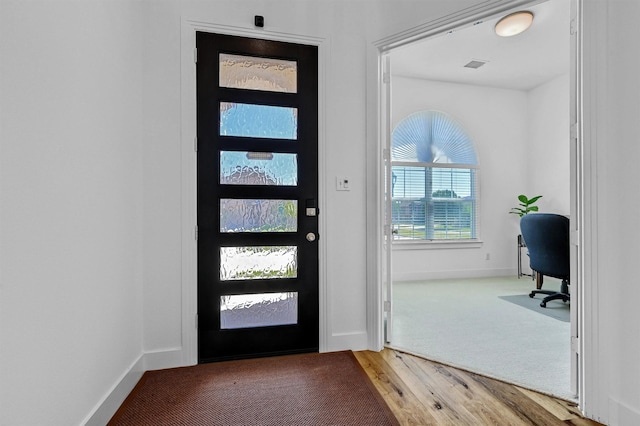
[
  {"x": 258, "y": 121},
  {"x": 254, "y": 73},
  {"x": 248, "y": 215},
  {"x": 258, "y": 310},
  {"x": 258, "y": 262},
  {"x": 258, "y": 168}
]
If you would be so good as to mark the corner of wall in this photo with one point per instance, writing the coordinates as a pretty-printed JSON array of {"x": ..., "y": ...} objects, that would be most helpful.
[
  {"x": 157, "y": 360},
  {"x": 166, "y": 358},
  {"x": 106, "y": 408}
]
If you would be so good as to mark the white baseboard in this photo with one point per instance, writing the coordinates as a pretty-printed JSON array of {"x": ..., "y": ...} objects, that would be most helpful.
[
  {"x": 114, "y": 399},
  {"x": 158, "y": 360},
  {"x": 355, "y": 341},
  {"x": 452, "y": 274},
  {"x": 621, "y": 414},
  {"x": 166, "y": 358}
]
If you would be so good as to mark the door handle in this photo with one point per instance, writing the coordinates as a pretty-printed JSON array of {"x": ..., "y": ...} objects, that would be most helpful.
[{"x": 311, "y": 237}]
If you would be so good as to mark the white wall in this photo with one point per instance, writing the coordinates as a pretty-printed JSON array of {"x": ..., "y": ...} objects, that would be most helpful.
[
  {"x": 162, "y": 177},
  {"x": 611, "y": 133},
  {"x": 71, "y": 209},
  {"x": 547, "y": 150}
]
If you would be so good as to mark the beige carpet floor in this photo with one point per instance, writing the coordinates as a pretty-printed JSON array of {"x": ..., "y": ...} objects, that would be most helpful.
[{"x": 465, "y": 323}]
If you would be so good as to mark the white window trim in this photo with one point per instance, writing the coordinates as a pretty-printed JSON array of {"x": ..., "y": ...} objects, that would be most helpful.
[{"x": 436, "y": 244}]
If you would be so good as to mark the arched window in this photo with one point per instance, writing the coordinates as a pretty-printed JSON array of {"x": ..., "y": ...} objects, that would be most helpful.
[{"x": 434, "y": 179}]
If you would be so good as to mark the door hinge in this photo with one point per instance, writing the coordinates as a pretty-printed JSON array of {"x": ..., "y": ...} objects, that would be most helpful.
[
  {"x": 387, "y": 306},
  {"x": 196, "y": 321},
  {"x": 575, "y": 344},
  {"x": 574, "y": 237},
  {"x": 196, "y": 233},
  {"x": 195, "y": 55},
  {"x": 572, "y": 27},
  {"x": 386, "y": 78},
  {"x": 573, "y": 131},
  {"x": 195, "y": 144}
]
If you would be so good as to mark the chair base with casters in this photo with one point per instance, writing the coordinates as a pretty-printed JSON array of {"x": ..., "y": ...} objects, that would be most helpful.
[{"x": 553, "y": 295}]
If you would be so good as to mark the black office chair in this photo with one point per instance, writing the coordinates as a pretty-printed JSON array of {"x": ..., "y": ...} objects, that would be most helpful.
[{"x": 547, "y": 239}]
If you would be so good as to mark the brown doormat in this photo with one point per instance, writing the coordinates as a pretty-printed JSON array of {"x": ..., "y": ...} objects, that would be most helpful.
[{"x": 309, "y": 389}]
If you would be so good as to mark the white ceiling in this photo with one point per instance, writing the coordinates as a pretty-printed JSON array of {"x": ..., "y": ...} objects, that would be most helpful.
[{"x": 520, "y": 62}]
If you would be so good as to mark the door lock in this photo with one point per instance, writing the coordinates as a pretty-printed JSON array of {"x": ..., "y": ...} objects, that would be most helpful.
[
  {"x": 311, "y": 207},
  {"x": 311, "y": 237}
]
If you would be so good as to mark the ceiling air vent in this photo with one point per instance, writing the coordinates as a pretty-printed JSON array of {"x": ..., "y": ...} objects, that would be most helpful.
[{"x": 475, "y": 64}]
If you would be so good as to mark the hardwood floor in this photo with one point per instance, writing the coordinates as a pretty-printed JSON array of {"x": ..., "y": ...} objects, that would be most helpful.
[{"x": 422, "y": 392}]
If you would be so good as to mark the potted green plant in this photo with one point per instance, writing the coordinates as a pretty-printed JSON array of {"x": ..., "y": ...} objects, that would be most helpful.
[{"x": 526, "y": 205}]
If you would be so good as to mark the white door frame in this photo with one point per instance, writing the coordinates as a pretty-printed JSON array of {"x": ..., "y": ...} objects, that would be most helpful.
[
  {"x": 187, "y": 354},
  {"x": 582, "y": 193}
]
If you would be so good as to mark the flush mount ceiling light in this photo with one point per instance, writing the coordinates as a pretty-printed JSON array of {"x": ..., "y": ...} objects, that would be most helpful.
[{"x": 514, "y": 24}]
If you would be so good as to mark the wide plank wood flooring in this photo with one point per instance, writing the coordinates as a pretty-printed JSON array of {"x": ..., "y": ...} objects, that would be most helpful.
[{"x": 422, "y": 392}]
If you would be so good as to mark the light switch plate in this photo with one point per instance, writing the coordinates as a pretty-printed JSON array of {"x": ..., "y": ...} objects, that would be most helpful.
[{"x": 343, "y": 183}]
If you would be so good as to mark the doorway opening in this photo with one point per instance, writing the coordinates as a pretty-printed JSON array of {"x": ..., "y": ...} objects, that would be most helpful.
[{"x": 504, "y": 115}]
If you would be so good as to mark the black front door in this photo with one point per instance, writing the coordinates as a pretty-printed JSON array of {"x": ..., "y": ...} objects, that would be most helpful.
[{"x": 257, "y": 104}]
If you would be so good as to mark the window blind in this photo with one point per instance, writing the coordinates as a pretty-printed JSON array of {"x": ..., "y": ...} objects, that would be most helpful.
[{"x": 434, "y": 203}]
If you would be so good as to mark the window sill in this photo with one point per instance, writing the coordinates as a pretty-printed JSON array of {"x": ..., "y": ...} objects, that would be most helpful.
[{"x": 436, "y": 245}]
